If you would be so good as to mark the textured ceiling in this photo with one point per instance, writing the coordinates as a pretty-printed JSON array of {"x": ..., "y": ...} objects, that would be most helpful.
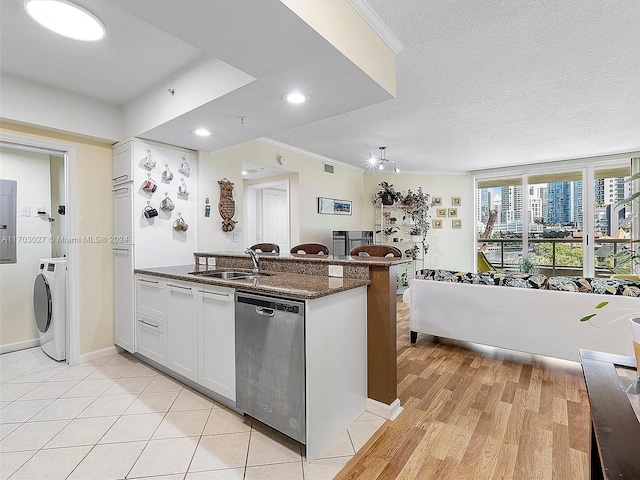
[
  {"x": 489, "y": 84},
  {"x": 480, "y": 84}
]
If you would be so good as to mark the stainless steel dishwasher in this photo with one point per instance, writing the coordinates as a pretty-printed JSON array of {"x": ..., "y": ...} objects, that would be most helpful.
[{"x": 270, "y": 362}]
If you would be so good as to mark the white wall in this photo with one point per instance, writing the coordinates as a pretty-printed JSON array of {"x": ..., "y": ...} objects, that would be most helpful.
[
  {"x": 307, "y": 183},
  {"x": 214, "y": 167},
  {"x": 157, "y": 243},
  {"x": 28, "y": 102},
  {"x": 448, "y": 248},
  {"x": 31, "y": 172}
]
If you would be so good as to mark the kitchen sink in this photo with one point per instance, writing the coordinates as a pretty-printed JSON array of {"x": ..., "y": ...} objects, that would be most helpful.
[{"x": 229, "y": 274}]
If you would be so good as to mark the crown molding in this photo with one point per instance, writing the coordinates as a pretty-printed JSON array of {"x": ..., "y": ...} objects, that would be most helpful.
[
  {"x": 375, "y": 22},
  {"x": 330, "y": 161}
]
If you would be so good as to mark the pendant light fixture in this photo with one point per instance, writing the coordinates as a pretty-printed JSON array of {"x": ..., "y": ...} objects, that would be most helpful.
[{"x": 380, "y": 161}]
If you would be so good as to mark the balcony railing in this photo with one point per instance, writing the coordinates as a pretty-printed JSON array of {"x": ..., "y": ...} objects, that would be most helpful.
[{"x": 506, "y": 254}]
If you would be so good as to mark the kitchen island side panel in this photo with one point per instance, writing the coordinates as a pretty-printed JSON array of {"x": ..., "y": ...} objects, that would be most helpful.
[{"x": 336, "y": 358}]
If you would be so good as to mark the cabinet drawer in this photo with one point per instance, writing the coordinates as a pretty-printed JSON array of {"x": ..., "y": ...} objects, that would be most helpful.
[
  {"x": 151, "y": 338},
  {"x": 151, "y": 297}
]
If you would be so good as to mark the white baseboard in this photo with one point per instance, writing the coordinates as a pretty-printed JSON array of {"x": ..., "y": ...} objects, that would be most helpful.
[
  {"x": 383, "y": 410},
  {"x": 105, "y": 352},
  {"x": 13, "y": 347}
]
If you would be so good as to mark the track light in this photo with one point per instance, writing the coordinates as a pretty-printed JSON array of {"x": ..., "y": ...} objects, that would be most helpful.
[{"x": 379, "y": 162}]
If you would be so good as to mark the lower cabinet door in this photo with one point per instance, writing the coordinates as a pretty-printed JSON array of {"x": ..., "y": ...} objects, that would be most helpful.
[
  {"x": 216, "y": 340},
  {"x": 124, "y": 324},
  {"x": 182, "y": 355},
  {"x": 151, "y": 338}
]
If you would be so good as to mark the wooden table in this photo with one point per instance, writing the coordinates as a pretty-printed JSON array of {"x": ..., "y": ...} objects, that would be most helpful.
[{"x": 615, "y": 433}]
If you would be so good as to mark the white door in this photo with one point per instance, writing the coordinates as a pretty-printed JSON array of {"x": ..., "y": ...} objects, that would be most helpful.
[{"x": 275, "y": 218}]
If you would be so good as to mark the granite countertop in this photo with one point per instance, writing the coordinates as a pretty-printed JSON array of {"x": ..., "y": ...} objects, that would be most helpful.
[
  {"x": 293, "y": 285},
  {"x": 332, "y": 259}
]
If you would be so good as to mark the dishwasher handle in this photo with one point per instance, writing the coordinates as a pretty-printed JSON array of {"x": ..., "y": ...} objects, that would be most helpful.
[{"x": 265, "y": 312}]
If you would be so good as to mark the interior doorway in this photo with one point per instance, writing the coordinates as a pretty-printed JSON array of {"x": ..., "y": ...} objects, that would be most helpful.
[
  {"x": 65, "y": 193},
  {"x": 268, "y": 217}
]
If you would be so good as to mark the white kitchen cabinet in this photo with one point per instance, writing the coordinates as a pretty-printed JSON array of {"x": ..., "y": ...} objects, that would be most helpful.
[
  {"x": 122, "y": 164},
  {"x": 182, "y": 352},
  {"x": 151, "y": 338},
  {"x": 123, "y": 297},
  {"x": 151, "y": 296},
  {"x": 122, "y": 213},
  {"x": 151, "y": 318},
  {"x": 216, "y": 340}
]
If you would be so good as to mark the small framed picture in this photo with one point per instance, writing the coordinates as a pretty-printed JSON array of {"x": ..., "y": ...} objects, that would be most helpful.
[
  {"x": 453, "y": 212},
  {"x": 456, "y": 201},
  {"x": 437, "y": 223},
  {"x": 436, "y": 201},
  {"x": 441, "y": 212},
  {"x": 457, "y": 223}
]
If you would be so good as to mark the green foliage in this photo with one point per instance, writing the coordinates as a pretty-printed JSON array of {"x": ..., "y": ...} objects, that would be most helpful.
[{"x": 566, "y": 254}]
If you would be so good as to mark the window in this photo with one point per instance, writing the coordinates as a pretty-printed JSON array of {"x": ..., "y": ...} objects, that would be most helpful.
[{"x": 570, "y": 229}]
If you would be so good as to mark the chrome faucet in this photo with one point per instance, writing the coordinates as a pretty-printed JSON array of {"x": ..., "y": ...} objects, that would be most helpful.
[{"x": 254, "y": 259}]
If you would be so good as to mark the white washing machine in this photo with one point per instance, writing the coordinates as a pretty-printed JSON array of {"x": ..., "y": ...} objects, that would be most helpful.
[{"x": 50, "y": 306}]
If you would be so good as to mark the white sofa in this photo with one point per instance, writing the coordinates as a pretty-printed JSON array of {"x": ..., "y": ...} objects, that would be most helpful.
[{"x": 543, "y": 322}]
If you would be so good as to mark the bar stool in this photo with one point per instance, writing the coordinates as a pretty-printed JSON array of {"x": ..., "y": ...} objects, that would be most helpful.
[
  {"x": 266, "y": 248},
  {"x": 375, "y": 250},
  {"x": 311, "y": 248}
]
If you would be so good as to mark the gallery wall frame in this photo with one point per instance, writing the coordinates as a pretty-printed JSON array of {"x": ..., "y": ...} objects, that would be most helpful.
[{"x": 333, "y": 206}]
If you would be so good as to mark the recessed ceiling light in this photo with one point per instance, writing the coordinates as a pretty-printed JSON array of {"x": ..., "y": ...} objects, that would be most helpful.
[
  {"x": 244, "y": 172},
  {"x": 66, "y": 18},
  {"x": 202, "y": 132},
  {"x": 295, "y": 97}
]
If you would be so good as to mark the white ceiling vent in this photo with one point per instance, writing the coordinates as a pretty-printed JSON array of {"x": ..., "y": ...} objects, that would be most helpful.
[{"x": 328, "y": 168}]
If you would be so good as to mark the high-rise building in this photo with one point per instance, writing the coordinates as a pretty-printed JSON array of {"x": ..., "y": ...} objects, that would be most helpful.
[
  {"x": 511, "y": 203},
  {"x": 565, "y": 202}
]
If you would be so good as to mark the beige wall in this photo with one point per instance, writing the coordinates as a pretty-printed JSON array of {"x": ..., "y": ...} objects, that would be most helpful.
[
  {"x": 31, "y": 172},
  {"x": 344, "y": 184},
  {"x": 448, "y": 248},
  {"x": 94, "y": 220}
]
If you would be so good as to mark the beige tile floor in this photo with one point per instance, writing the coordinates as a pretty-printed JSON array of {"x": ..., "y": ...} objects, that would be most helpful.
[{"x": 118, "y": 418}]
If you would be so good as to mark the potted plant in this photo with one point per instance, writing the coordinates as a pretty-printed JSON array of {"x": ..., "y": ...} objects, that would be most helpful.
[
  {"x": 415, "y": 233},
  {"x": 387, "y": 193},
  {"x": 412, "y": 252},
  {"x": 417, "y": 205}
]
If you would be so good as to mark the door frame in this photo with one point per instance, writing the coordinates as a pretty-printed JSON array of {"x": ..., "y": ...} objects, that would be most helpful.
[
  {"x": 251, "y": 202},
  {"x": 70, "y": 153}
]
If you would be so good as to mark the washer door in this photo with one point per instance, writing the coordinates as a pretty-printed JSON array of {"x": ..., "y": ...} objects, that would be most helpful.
[{"x": 42, "y": 303}]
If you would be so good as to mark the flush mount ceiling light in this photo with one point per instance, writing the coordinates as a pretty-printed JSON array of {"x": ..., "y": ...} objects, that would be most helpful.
[
  {"x": 380, "y": 161},
  {"x": 66, "y": 18},
  {"x": 295, "y": 97},
  {"x": 202, "y": 132}
]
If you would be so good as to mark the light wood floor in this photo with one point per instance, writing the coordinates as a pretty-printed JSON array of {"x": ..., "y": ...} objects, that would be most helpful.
[{"x": 474, "y": 412}]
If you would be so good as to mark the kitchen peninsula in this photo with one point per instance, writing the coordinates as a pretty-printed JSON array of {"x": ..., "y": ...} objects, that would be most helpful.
[
  {"x": 382, "y": 378},
  {"x": 185, "y": 326}
]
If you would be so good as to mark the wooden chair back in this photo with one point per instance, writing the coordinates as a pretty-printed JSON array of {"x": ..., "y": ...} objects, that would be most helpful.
[
  {"x": 311, "y": 249},
  {"x": 375, "y": 250},
  {"x": 266, "y": 248}
]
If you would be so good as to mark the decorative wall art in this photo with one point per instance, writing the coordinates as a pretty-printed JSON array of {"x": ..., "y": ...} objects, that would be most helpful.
[
  {"x": 331, "y": 206},
  {"x": 456, "y": 201},
  {"x": 453, "y": 212},
  {"x": 441, "y": 212},
  {"x": 436, "y": 201},
  {"x": 457, "y": 223},
  {"x": 226, "y": 205},
  {"x": 436, "y": 223}
]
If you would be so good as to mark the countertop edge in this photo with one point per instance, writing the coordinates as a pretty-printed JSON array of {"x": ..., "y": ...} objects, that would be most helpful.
[{"x": 351, "y": 283}]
